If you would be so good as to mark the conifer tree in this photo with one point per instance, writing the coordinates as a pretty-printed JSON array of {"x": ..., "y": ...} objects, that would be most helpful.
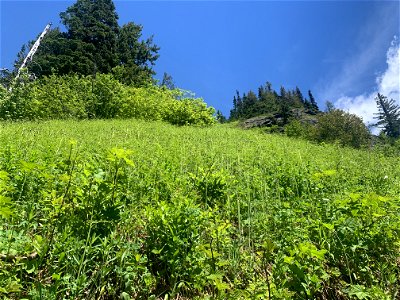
[
  {"x": 299, "y": 94},
  {"x": 283, "y": 92},
  {"x": 94, "y": 23},
  {"x": 314, "y": 105},
  {"x": 94, "y": 42},
  {"x": 220, "y": 117},
  {"x": 388, "y": 116},
  {"x": 168, "y": 81}
]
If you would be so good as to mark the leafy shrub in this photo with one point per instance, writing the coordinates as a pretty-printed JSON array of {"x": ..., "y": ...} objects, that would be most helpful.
[
  {"x": 49, "y": 98},
  {"x": 173, "y": 236},
  {"x": 298, "y": 129},
  {"x": 342, "y": 127},
  {"x": 65, "y": 97},
  {"x": 3, "y": 93},
  {"x": 211, "y": 186}
]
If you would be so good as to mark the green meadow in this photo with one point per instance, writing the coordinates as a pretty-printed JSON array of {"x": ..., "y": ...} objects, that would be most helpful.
[{"x": 130, "y": 209}]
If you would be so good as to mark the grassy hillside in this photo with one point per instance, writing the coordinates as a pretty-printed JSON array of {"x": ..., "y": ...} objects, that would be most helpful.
[{"x": 146, "y": 210}]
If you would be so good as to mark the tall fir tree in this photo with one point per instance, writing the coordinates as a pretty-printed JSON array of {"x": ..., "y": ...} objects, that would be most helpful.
[
  {"x": 94, "y": 23},
  {"x": 94, "y": 42},
  {"x": 388, "y": 116},
  {"x": 299, "y": 94},
  {"x": 135, "y": 59},
  {"x": 314, "y": 105}
]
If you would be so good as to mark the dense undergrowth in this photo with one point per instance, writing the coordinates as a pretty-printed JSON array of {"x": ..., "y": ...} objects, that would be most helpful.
[
  {"x": 100, "y": 97},
  {"x": 128, "y": 209}
]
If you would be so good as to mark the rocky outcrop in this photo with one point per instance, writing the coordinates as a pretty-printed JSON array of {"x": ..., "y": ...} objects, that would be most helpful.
[{"x": 303, "y": 116}]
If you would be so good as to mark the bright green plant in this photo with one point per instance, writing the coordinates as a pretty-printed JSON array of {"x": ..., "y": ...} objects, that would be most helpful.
[
  {"x": 173, "y": 235},
  {"x": 108, "y": 209},
  {"x": 101, "y": 97}
]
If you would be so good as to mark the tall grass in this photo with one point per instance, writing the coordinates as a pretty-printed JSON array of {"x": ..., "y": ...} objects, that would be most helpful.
[{"x": 136, "y": 210}]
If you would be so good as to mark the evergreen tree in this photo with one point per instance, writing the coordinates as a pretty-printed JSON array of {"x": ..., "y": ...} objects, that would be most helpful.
[
  {"x": 136, "y": 58},
  {"x": 268, "y": 102},
  {"x": 94, "y": 23},
  {"x": 220, "y": 117},
  {"x": 329, "y": 106},
  {"x": 249, "y": 102},
  {"x": 284, "y": 109},
  {"x": 60, "y": 55},
  {"x": 283, "y": 92},
  {"x": 94, "y": 42},
  {"x": 314, "y": 105},
  {"x": 261, "y": 92},
  {"x": 299, "y": 94},
  {"x": 388, "y": 116},
  {"x": 268, "y": 85},
  {"x": 167, "y": 81},
  {"x": 239, "y": 105}
]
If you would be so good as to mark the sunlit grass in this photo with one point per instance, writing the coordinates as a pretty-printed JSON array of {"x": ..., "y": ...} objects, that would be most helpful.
[{"x": 129, "y": 208}]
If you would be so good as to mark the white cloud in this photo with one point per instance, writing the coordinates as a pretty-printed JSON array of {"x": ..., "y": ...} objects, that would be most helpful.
[
  {"x": 352, "y": 69},
  {"x": 388, "y": 84}
]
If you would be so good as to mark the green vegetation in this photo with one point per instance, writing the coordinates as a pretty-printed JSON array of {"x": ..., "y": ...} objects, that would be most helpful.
[
  {"x": 77, "y": 97},
  {"x": 344, "y": 128},
  {"x": 297, "y": 116},
  {"x": 131, "y": 209},
  {"x": 285, "y": 106},
  {"x": 334, "y": 126},
  {"x": 388, "y": 116},
  {"x": 93, "y": 43},
  {"x": 101, "y": 197}
]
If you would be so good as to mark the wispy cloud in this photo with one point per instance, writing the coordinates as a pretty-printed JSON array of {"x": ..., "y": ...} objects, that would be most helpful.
[
  {"x": 387, "y": 84},
  {"x": 354, "y": 68}
]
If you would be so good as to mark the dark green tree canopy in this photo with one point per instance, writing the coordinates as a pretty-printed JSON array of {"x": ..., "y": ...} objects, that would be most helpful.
[
  {"x": 92, "y": 21},
  {"x": 94, "y": 42},
  {"x": 95, "y": 23}
]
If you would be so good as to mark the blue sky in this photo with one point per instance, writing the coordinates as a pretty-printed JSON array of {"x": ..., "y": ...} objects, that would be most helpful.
[{"x": 338, "y": 49}]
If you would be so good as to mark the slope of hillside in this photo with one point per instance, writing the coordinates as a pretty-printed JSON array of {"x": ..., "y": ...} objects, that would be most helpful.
[{"x": 140, "y": 210}]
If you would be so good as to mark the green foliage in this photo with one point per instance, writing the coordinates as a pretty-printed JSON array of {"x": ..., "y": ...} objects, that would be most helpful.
[
  {"x": 388, "y": 116},
  {"x": 94, "y": 43},
  {"x": 211, "y": 186},
  {"x": 132, "y": 209},
  {"x": 345, "y": 128},
  {"x": 95, "y": 24},
  {"x": 172, "y": 244},
  {"x": 268, "y": 101},
  {"x": 3, "y": 93},
  {"x": 66, "y": 97},
  {"x": 220, "y": 117},
  {"x": 299, "y": 130}
]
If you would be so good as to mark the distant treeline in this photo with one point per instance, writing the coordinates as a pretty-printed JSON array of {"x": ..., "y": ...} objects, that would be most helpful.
[
  {"x": 290, "y": 112},
  {"x": 268, "y": 101}
]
